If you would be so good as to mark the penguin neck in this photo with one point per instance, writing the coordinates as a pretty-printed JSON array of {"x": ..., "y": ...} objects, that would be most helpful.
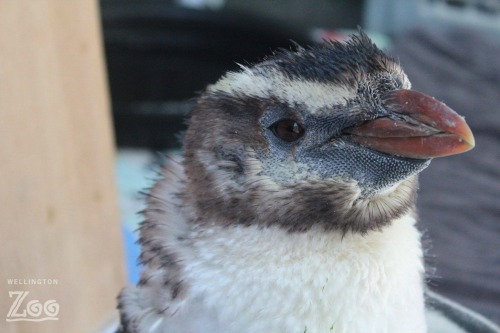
[{"x": 314, "y": 281}]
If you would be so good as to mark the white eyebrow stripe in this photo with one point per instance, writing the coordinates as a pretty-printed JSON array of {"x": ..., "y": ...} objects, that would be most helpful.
[{"x": 314, "y": 95}]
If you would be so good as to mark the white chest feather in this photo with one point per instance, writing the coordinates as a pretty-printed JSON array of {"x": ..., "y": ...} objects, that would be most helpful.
[{"x": 251, "y": 279}]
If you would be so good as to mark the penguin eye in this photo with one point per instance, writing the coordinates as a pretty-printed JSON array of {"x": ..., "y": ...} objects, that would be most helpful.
[{"x": 287, "y": 130}]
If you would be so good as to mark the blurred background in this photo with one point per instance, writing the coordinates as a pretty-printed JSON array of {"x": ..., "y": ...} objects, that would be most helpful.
[{"x": 148, "y": 59}]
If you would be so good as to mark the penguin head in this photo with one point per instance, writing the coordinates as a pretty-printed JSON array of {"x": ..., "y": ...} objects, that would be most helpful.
[{"x": 328, "y": 136}]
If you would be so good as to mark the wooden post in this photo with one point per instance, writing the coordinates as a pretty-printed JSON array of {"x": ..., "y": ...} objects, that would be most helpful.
[{"x": 60, "y": 236}]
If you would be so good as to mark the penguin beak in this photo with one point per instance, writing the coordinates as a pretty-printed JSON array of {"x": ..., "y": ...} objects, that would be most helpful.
[{"x": 415, "y": 126}]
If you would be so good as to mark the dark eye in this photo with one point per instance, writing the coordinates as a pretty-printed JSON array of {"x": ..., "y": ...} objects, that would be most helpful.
[{"x": 287, "y": 130}]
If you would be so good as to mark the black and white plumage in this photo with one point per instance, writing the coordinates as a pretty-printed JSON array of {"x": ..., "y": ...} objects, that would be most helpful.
[{"x": 293, "y": 208}]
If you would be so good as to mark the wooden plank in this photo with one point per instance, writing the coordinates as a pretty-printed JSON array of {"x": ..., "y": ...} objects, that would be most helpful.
[{"x": 59, "y": 220}]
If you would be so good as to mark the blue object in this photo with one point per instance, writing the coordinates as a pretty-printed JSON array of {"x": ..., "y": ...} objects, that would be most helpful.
[{"x": 132, "y": 252}]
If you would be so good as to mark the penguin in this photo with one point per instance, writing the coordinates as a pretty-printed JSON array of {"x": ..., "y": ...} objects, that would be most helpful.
[{"x": 293, "y": 206}]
